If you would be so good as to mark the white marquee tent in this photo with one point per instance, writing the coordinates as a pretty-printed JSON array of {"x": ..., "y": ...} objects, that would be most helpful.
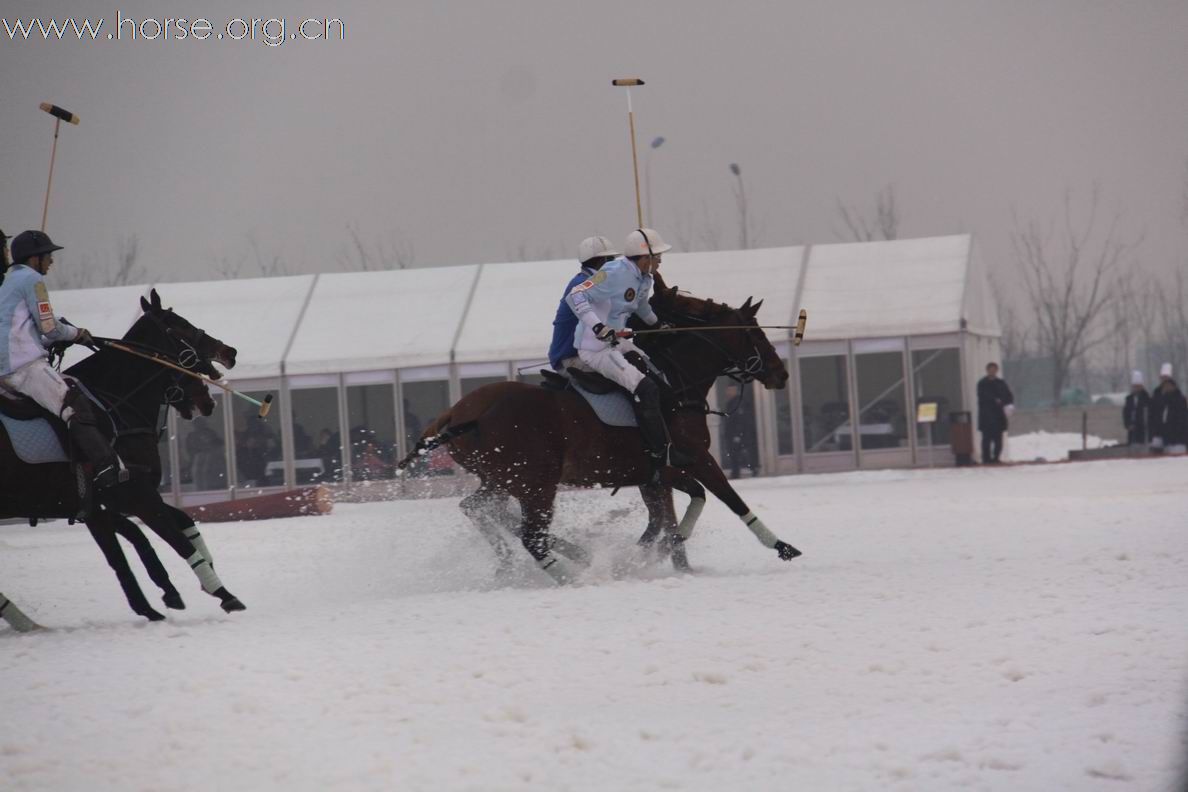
[{"x": 373, "y": 356}]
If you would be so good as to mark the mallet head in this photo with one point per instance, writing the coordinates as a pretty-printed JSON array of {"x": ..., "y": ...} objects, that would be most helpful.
[
  {"x": 627, "y": 82},
  {"x": 58, "y": 112}
]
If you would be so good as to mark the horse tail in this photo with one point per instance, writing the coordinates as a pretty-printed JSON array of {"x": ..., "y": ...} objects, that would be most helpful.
[{"x": 438, "y": 434}]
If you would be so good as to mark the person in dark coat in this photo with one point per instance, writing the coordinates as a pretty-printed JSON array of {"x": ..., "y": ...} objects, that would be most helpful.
[
  {"x": 994, "y": 399},
  {"x": 1134, "y": 411},
  {"x": 1169, "y": 412},
  {"x": 1155, "y": 409}
]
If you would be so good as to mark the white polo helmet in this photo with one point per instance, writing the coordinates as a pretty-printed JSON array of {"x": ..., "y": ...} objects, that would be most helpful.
[
  {"x": 595, "y": 247},
  {"x": 644, "y": 242}
]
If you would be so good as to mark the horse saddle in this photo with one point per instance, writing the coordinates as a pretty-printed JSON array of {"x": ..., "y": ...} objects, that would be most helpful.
[
  {"x": 36, "y": 434},
  {"x": 609, "y": 401}
]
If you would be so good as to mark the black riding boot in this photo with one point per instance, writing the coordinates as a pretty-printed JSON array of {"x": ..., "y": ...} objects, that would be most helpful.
[
  {"x": 651, "y": 425},
  {"x": 90, "y": 441}
]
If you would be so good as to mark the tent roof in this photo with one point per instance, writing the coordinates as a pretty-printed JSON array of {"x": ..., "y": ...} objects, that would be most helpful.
[
  {"x": 360, "y": 321},
  {"x": 896, "y": 288}
]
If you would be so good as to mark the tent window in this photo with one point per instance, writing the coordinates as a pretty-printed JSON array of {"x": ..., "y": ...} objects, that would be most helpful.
[
  {"x": 202, "y": 450},
  {"x": 257, "y": 445},
  {"x": 372, "y": 419},
  {"x": 783, "y": 412},
  {"x": 423, "y": 402},
  {"x": 317, "y": 441},
  {"x": 738, "y": 436},
  {"x": 882, "y": 417},
  {"x": 471, "y": 384},
  {"x": 936, "y": 375},
  {"x": 826, "y": 404}
]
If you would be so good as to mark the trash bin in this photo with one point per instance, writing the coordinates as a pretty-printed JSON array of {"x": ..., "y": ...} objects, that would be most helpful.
[{"x": 961, "y": 439}]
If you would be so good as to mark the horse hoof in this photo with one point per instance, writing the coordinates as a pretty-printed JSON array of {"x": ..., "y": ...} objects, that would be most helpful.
[
  {"x": 150, "y": 614},
  {"x": 787, "y": 552},
  {"x": 173, "y": 600},
  {"x": 232, "y": 605},
  {"x": 680, "y": 561}
]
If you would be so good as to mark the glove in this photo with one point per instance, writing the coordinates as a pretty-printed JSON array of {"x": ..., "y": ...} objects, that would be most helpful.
[
  {"x": 84, "y": 337},
  {"x": 605, "y": 334}
]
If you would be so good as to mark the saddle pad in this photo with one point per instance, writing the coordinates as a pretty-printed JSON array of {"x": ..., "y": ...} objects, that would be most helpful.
[
  {"x": 613, "y": 409},
  {"x": 35, "y": 441}
]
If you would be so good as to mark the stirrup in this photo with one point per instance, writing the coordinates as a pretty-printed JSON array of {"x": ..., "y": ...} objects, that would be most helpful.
[{"x": 111, "y": 475}]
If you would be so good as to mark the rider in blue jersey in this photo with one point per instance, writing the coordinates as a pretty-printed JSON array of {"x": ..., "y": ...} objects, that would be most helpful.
[{"x": 593, "y": 252}]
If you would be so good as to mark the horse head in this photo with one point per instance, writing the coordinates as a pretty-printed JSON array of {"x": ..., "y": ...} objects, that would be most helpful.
[
  {"x": 747, "y": 353},
  {"x": 191, "y": 346}
]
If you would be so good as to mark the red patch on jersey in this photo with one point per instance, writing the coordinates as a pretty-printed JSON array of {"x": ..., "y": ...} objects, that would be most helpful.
[{"x": 44, "y": 309}]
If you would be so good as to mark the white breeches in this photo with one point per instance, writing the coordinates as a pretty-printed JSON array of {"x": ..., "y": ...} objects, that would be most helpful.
[
  {"x": 41, "y": 384},
  {"x": 610, "y": 363}
]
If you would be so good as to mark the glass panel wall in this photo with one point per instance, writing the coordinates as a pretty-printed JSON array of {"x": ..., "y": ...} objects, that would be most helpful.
[
  {"x": 882, "y": 398},
  {"x": 371, "y": 416},
  {"x": 826, "y": 403},
  {"x": 738, "y": 435},
  {"x": 202, "y": 450},
  {"x": 317, "y": 440},
  {"x": 936, "y": 377},
  {"x": 471, "y": 384},
  {"x": 423, "y": 402},
  {"x": 783, "y": 416},
  {"x": 258, "y": 459},
  {"x": 166, "y": 483}
]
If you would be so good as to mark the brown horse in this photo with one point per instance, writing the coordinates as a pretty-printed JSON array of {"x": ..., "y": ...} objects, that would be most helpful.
[{"x": 524, "y": 441}]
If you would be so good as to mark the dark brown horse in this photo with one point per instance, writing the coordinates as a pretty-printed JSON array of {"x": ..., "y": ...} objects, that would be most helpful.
[
  {"x": 132, "y": 390},
  {"x": 524, "y": 441}
]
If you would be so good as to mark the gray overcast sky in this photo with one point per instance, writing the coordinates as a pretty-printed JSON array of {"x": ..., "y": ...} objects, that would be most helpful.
[{"x": 472, "y": 130}]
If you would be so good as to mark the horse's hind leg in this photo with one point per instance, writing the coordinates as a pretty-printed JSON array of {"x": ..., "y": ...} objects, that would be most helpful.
[
  {"x": 537, "y": 506},
  {"x": 102, "y": 532},
  {"x": 487, "y": 509},
  {"x": 148, "y": 556}
]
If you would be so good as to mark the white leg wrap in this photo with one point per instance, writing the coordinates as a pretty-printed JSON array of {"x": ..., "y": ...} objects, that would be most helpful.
[
  {"x": 15, "y": 617},
  {"x": 557, "y": 568},
  {"x": 199, "y": 543},
  {"x": 761, "y": 531},
  {"x": 692, "y": 515},
  {"x": 206, "y": 575}
]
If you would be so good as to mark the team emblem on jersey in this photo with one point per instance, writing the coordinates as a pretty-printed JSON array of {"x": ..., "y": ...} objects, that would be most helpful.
[
  {"x": 594, "y": 280},
  {"x": 629, "y": 295},
  {"x": 45, "y": 312}
]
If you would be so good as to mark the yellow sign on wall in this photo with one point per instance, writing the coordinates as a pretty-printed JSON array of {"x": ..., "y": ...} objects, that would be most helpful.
[{"x": 926, "y": 412}]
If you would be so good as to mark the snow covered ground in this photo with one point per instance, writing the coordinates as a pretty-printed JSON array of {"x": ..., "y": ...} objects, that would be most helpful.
[
  {"x": 987, "y": 629},
  {"x": 1047, "y": 446}
]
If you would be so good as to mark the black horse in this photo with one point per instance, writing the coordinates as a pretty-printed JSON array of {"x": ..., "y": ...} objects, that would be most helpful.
[{"x": 130, "y": 391}]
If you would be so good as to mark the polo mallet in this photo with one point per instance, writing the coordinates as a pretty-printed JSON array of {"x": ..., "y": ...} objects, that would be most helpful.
[
  {"x": 628, "y": 82},
  {"x": 797, "y": 336},
  {"x": 59, "y": 115},
  {"x": 264, "y": 406}
]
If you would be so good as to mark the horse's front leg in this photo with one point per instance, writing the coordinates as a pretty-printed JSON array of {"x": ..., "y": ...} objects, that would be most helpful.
[
  {"x": 16, "y": 617},
  {"x": 146, "y": 504},
  {"x": 148, "y": 556},
  {"x": 706, "y": 471},
  {"x": 103, "y": 532}
]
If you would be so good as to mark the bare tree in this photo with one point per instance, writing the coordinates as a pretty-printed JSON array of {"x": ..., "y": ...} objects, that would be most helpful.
[
  {"x": 1016, "y": 336},
  {"x": 859, "y": 228},
  {"x": 692, "y": 233},
  {"x": 378, "y": 256},
  {"x": 1070, "y": 280},
  {"x": 121, "y": 268}
]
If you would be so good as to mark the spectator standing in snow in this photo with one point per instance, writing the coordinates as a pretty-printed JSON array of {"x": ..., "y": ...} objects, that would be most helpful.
[
  {"x": 994, "y": 400},
  {"x": 1168, "y": 414},
  {"x": 738, "y": 434},
  {"x": 1134, "y": 412}
]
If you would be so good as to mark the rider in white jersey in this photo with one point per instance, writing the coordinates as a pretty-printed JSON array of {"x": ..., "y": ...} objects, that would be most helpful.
[{"x": 603, "y": 304}]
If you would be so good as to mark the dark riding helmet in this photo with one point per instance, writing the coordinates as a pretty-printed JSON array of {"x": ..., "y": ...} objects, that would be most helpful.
[{"x": 27, "y": 244}]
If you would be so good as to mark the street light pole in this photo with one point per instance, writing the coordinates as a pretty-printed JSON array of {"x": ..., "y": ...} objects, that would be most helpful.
[
  {"x": 656, "y": 143},
  {"x": 740, "y": 195}
]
